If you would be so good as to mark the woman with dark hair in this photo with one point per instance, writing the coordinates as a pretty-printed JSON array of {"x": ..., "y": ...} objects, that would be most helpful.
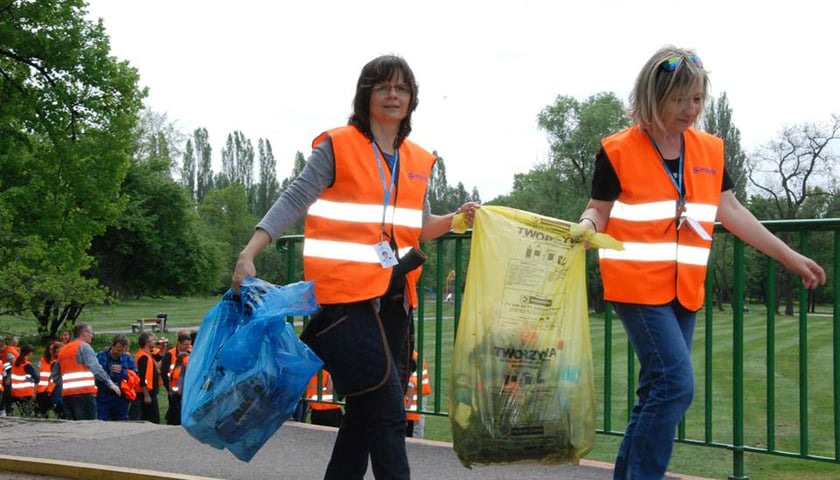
[
  {"x": 54, "y": 387},
  {"x": 45, "y": 387},
  {"x": 24, "y": 381},
  {"x": 364, "y": 193}
]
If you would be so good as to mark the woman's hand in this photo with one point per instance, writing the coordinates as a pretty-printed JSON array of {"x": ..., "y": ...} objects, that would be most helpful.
[
  {"x": 245, "y": 263},
  {"x": 244, "y": 268},
  {"x": 468, "y": 209}
]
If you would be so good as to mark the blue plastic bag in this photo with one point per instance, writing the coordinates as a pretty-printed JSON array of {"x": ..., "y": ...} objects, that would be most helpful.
[{"x": 248, "y": 369}]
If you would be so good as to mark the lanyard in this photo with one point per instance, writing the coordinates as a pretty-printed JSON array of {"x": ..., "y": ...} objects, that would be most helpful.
[
  {"x": 678, "y": 182},
  {"x": 387, "y": 190}
]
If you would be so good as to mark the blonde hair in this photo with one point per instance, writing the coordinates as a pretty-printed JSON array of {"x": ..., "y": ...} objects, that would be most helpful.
[{"x": 656, "y": 83}]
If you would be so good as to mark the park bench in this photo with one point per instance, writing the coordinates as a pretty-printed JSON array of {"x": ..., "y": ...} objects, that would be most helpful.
[{"x": 156, "y": 324}]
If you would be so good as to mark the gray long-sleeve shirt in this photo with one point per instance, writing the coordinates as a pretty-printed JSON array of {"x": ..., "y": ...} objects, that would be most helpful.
[
  {"x": 317, "y": 175},
  {"x": 87, "y": 357}
]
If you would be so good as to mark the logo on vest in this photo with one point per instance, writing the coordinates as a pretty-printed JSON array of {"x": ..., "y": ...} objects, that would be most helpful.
[
  {"x": 417, "y": 176},
  {"x": 704, "y": 171}
]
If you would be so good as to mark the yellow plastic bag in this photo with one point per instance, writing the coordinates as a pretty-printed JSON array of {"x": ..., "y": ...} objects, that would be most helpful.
[{"x": 522, "y": 384}]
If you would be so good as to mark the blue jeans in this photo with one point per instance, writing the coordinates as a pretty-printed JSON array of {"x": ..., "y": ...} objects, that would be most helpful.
[
  {"x": 661, "y": 337},
  {"x": 111, "y": 407}
]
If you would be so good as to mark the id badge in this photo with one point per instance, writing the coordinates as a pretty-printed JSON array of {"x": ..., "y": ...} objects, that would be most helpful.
[
  {"x": 386, "y": 254},
  {"x": 698, "y": 229}
]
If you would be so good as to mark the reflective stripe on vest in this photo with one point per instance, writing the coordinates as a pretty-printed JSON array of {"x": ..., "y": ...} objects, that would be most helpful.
[
  {"x": 672, "y": 262},
  {"x": 76, "y": 379},
  {"x": 345, "y": 223},
  {"x": 326, "y": 392},
  {"x": 149, "y": 374},
  {"x": 44, "y": 374},
  {"x": 411, "y": 413},
  {"x": 175, "y": 372},
  {"x": 425, "y": 385}
]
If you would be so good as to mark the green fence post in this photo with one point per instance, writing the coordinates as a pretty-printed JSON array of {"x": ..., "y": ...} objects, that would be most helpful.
[
  {"x": 803, "y": 354},
  {"x": 738, "y": 363}
]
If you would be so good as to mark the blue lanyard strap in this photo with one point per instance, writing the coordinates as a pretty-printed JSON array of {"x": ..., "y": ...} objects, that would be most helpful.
[
  {"x": 678, "y": 182},
  {"x": 387, "y": 190}
]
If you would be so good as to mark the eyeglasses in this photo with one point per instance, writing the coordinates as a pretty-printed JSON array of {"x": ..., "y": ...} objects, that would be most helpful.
[
  {"x": 385, "y": 88},
  {"x": 674, "y": 62}
]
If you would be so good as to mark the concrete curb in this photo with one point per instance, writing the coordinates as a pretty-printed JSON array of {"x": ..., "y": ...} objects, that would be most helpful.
[{"x": 85, "y": 471}]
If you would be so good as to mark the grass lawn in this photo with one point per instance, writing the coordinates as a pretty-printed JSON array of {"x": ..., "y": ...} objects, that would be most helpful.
[{"x": 707, "y": 461}]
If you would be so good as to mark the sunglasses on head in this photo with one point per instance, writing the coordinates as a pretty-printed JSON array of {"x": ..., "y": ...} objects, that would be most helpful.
[{"x": 671, "y": 64}]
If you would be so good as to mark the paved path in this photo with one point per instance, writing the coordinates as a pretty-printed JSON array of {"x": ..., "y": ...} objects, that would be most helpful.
[{"x": 144, "y": 451}]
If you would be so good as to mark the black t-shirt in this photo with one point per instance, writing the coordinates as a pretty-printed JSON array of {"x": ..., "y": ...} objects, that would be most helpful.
[{"x": 605, "y": 184}]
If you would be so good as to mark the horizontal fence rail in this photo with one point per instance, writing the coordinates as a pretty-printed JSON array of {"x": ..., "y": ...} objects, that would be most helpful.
[{"x": 767, "y": 362}]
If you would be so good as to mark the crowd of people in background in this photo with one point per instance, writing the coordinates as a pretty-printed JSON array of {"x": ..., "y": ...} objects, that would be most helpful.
[{"x": 71, "y": 381}]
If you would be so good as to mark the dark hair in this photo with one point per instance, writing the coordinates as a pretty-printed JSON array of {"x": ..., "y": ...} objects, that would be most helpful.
[
  {"x": 25, "y": 350},
  {"x": 144, "y": 338},
  {"x": 120, "y": 340},
  {"x": 378, "y": 70},
  {"x": 57, "y": 346}
]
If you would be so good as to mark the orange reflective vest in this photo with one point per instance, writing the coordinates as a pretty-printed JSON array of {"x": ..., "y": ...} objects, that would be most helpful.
[
  {"x": 44, "y": 374},
  {"x": 175, "y": 372},
  {"x": 345, "y": 223},
  {"x": 9, "y": 351},
  {"x": 326, "y": 393},
  {"x": 666, "y": 262},
  {"x": 411, "y": 413},
  {"x": 149, "y": 374},
  {"x": 23, "y": 385},
  {"x": 76, "y": 378}
]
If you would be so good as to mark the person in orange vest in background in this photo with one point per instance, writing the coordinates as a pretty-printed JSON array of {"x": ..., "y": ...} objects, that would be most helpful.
[
  {"x": 145, "y": 406},
  {"x": 323, "y": 411},
  {"x": 415, "y": 422},
  {"x": 42, "y": 396},
  {"x": 24, "y": 381},
  {"x": 54, "y": 387},
  {"x": 10, "y": 354},
  {"x": 79, "y": 371},
  {"x": 172, "y": 367}
]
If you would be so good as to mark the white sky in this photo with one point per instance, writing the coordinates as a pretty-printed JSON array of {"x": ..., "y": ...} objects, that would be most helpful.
[{"x": 286, "y": 70}]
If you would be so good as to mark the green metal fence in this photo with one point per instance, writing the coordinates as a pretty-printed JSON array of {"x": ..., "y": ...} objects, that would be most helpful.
[{"x": 766, "y": 382}]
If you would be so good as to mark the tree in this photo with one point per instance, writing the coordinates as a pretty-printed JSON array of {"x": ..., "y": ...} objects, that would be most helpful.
[
  {"x": 438, "y": 186},
  {"x": 787, "y": 169},
  {"x": 794, "y": 177},
  {"x": 718, "y": 121},
  {"x": 268, "y": 187},
  {"x": 225, "y": 213},
  {"x": 189, "y": 166},
  {"x": 157, "y": 247},
  {"x": 67, "y": 108},
  {"x": 204, "y": 156},
  {"x": 158, "y": 139},
  {"x": 560, "y": 187},
  {"x": 238, "y": 161}
]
